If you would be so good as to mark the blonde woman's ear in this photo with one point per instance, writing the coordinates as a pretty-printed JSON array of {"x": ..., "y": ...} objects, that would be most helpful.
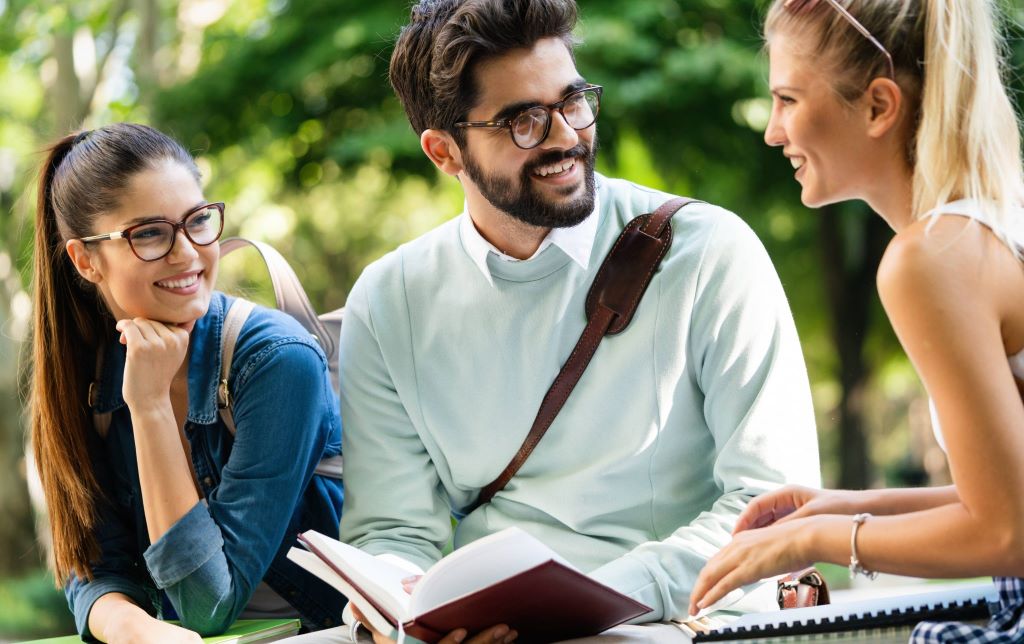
[
  {"x": 884, "y": 104},
  {"x": 83, "y": 261}
]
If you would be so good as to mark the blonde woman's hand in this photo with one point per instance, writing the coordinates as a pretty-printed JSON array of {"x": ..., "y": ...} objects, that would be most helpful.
[
  {"x": 753, "y": 555},
  {"x": 795, "y": 502},
  {"x": 155, "y": 353}
]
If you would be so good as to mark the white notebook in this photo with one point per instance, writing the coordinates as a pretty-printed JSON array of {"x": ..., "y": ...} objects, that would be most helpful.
[{"x": 960, "y": 602}]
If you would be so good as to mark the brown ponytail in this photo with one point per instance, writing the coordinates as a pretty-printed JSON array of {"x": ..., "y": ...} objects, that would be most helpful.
[
  {"x": 60, "y": 409},
  {"x": 82, "y": 176}
]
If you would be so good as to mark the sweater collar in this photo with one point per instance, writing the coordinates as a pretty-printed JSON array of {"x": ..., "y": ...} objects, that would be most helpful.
[{"x": 576, "y": 242}]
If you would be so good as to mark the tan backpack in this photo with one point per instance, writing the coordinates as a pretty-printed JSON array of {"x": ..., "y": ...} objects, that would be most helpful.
[{"x": 291, "y": 298}]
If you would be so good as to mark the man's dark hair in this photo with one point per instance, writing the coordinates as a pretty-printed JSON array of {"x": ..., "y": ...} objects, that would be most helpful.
[{"x": 432, "y": 65}]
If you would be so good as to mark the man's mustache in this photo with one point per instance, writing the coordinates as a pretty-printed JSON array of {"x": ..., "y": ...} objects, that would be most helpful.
[{"x": 579, "y": 151}]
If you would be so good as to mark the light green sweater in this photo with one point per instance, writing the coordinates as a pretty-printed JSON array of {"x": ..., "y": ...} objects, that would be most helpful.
[{"x": 702, "y": 403}]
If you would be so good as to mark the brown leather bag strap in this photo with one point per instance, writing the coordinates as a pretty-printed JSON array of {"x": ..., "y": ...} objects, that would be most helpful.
[{"x": 613, "y": 297}]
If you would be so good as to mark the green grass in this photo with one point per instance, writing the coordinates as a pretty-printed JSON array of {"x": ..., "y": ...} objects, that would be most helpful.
[{"x": 33, "y": 608}]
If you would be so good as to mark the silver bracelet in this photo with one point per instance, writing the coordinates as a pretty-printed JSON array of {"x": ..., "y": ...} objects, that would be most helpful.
[{"x": 855, "y": 567}]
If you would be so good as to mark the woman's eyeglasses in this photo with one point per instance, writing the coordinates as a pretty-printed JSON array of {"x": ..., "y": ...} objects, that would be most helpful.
[
  {"x": 530, "y": 127},
  {"x": 154, "y": 239}
]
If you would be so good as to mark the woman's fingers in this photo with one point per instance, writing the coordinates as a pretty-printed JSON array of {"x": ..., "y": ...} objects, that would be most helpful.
[
  {"x": 709, "y": 576},
  {"x": 130, "y": 333},
  {"x": 765, "y": 510},
  {"x": 799, "y": 513},
  {"x": 147, "y": 330},
  {"x": 733, "y": 579},
  {"x": 775, "y": 507},
  {"x": 154, "y": 338}
]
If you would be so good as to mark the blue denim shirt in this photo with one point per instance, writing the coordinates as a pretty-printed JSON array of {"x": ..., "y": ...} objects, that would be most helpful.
[{"x": 259, "y": 486}]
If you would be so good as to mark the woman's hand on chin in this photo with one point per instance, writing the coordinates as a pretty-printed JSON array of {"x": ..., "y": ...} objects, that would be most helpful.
[{"x": 155, "y": 353}]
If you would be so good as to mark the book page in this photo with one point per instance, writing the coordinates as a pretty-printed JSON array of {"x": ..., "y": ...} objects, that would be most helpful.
[
  {"x": 313, "y": 564},
  {"x": 480, "y": 564},
  {"x": 370, "y": 575}
]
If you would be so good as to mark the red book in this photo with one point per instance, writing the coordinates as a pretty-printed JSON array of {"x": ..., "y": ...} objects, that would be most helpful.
[{"x": 505, "y": 578}]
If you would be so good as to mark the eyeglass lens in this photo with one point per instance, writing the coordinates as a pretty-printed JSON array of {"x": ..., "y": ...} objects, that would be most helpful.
[
  {"x": 579, "y": 109},
  {"x": 154, "y": 240}
]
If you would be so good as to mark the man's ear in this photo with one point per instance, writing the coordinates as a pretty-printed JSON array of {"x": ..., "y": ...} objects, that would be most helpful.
[
  {"x": 84, "y": 262},
  {"x": 885, "y": 102},
  {"x": 440, "y": 147}
]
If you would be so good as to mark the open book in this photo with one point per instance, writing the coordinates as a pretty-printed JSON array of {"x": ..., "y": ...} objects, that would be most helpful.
[{"x": 504, "y": 578}]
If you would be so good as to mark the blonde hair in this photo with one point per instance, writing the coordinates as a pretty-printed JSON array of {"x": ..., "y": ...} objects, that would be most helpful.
[{"x": 949, "y": 59}]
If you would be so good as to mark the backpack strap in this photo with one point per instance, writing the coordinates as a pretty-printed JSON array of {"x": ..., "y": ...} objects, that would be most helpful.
[
  {"x": 234, "y": 320},
  {"x": 238, "y": 313},
  {"x": 613, "y": 298},
  {"x": 288, "y": 291}
]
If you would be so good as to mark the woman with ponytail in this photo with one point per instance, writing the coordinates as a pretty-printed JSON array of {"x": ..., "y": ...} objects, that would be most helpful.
[
  {"x": 900, "y": 103},
  {"x": 156, "y": 509}
]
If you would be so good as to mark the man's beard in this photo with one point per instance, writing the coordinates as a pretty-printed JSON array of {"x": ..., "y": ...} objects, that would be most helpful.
[{"x": 523, "y": 202}]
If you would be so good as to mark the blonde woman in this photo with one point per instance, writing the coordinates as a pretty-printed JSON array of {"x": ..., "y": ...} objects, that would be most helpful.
[{"x": 900, "y": 103}]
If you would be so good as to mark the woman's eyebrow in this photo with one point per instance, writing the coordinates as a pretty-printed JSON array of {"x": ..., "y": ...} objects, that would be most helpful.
[{"x": 147, "y": 218}]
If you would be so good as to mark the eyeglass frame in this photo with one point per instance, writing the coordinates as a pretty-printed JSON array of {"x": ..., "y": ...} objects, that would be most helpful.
[
  {"x": 126, "y": 233},
  {"x": 864, "y": 32},
  {"x": 507, "y": 123}
]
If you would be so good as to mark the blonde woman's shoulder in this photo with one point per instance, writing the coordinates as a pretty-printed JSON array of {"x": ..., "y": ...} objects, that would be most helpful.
[{"x": 949, "y": 258}]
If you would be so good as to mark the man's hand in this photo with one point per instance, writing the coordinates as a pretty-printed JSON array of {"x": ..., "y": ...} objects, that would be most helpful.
[{"x": 500, "y": 633}]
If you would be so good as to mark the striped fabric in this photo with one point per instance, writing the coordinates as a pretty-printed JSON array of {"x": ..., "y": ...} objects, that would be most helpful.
[{"x": 1006, "y": 624}]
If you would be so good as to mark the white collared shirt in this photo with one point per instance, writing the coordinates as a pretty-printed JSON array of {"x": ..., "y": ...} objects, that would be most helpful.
[{"x": 576, "y": 242}]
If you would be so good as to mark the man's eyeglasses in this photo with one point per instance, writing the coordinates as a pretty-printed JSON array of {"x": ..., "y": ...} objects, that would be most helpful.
[
  {"x": 153, "y": 240},
  {"x": 867, "y": 34},
  {"x": 530, "y": 127}
]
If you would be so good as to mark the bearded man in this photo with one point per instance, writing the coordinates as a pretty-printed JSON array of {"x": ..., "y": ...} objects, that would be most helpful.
[{"x": 451, "y": 341}]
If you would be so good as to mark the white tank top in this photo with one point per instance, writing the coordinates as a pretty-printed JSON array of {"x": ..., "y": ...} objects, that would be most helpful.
[{"x": 968, "y": 208}]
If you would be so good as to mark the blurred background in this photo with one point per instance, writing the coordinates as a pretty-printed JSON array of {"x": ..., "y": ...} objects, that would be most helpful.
[{"x": 287, "y": 107}]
